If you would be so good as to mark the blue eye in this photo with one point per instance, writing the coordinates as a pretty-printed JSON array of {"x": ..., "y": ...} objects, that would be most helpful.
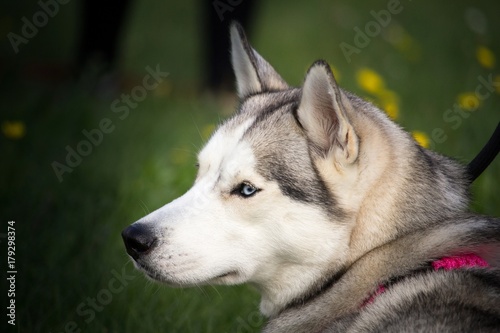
[{"x": 246, "y": 190}]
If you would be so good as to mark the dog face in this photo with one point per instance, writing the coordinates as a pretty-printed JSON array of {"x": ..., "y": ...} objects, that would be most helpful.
[{"x": 258, "y": 204}]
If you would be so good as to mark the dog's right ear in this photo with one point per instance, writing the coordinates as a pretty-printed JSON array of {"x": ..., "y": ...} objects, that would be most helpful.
[
  {"x": 253, "y": 73},
  {"x": 323, "y": 113}
]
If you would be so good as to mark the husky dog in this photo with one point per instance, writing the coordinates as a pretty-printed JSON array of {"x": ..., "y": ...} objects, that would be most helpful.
[{"x": 336, "y": 215}]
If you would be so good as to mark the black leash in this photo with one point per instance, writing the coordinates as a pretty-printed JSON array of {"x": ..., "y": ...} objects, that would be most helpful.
[{"x": 485, "y": 156}]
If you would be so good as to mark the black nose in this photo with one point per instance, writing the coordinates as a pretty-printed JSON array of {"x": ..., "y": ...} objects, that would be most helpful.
[{"x": 139, "y": 240}]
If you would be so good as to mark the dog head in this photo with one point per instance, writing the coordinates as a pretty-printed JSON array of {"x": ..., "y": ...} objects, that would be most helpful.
[{"x": 278, "y": 191}]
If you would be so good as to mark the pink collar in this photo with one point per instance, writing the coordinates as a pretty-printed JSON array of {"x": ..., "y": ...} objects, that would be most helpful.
[
  {"x": 456, "y": 262},
  {"x": 447, "y": 263}
]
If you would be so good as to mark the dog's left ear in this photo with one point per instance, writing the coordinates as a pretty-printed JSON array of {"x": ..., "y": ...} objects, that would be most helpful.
[
  {"x": 323, "y": 113},
  {"x": 253, "y": 73}
]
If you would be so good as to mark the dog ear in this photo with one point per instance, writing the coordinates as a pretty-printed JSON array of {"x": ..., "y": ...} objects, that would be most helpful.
[
  {"x": 253, "y": 73},
  {"x": 323, "y": 113}
]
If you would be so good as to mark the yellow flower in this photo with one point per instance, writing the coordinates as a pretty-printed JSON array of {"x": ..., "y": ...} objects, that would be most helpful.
[
  {"x": 392, "y": 110},
  {"x": 485, "y": 57},
  {"x": 468, "y": 101},
  {"x": 421, "y": 138},
  {"x": 370, "y": 80},
  {"x": 14, "y": 130},
  {"x": 390, "y": 103}
]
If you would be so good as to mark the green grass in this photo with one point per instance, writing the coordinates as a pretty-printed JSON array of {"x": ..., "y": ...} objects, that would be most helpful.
[{"x": 68, "y": 244}]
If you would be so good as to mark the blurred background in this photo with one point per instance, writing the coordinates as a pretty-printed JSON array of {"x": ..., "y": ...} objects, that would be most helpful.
[{"x": 104, "y": 106}]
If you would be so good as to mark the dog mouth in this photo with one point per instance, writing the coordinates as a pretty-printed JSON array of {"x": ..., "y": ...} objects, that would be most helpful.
[
  {"x": 150, "y": 272},
  {"x": 227, "y": 277},
  {"x": 229, "y": 274}
]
